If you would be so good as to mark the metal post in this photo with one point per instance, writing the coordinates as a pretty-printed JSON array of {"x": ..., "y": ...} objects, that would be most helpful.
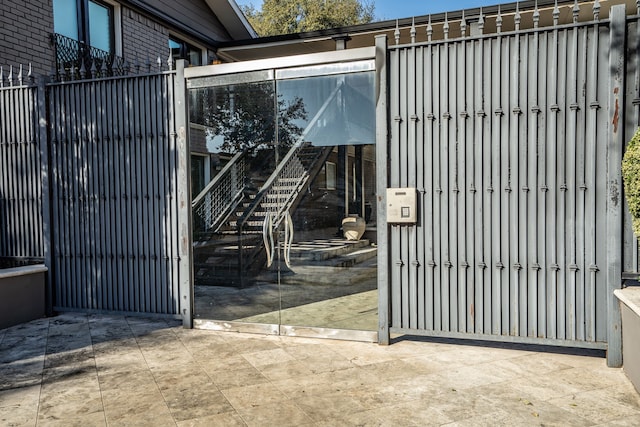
[
  {"x": 185, "y": 276},
  {"x": 615, "y": 145},
  {"x": 47, "y": 230},
  {"x": 381, "y": 178}
]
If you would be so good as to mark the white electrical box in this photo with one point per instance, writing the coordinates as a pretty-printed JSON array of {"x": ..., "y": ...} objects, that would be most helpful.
[{"x": 401, "y": 206}]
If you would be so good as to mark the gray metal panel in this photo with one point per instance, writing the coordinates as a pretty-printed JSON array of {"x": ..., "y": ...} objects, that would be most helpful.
[
  {"x": 382, "y": 141},
  {"x": 113, "y": 180},
  {"x": 614, "y": 217},
  {"x": 511, "y": 149},
  {"x": 20, "y": 183}
]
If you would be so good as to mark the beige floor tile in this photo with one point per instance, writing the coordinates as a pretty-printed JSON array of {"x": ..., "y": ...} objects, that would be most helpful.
[
  {"x": 95, "y": 419},
  {"x": 227, "y": 419},
  {"x": 267, "y": 357},
  {"x": 254, "y": 395},
  {"x": 498, "y": 418},
  {"x": 626, "y": 421},
  {"x": 419, "y": 387},
  {"x": 66, "y": 404},
  {"x": 190, "y": 401},
  {"x": 17, "y": 374},
  {"x": 597, "y": 406},
  {"x": 325, "y": 406},
  {"x": 18, "y": 415},
  {"x": 284, "y": 370},
  {"x": 224, "y": 363},
  {"x": 26, "y": 397},
  {"x": 126, "y": 362},
  {"x": 360, "y": 419},
  {"x": 127, "y": 382},
  {"x": 237, "y": 378},
  {"x": 146, "y": 372},
  {"x": 416, "y": 413},
  {"x": 281, "y": 414},
  {"x": 124, "y": 408},
  {"x": 464, "y": 377}
]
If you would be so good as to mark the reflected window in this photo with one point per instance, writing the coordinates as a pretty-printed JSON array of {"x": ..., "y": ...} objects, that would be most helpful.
[
  {"x": 330, "y": 175},
  {"x": 183, "y": 50}
]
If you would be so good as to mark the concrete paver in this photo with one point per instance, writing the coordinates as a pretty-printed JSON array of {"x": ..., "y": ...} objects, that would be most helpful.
[{"x": 78, "y": 369}]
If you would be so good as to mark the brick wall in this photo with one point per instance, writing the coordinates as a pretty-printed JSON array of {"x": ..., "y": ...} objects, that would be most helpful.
[
  {"x": 26, "y": 26},
  {"x": 24, "y": 34},
  {"x": 143, "y": 38}
]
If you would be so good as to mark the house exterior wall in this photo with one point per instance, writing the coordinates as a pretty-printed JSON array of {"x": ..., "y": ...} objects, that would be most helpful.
[
  {"x": 24, "y": 34},
  {"x": 26, "y": 28},
  {"x": 143, "y": 38},
  {"x": 196, "y": 13}
]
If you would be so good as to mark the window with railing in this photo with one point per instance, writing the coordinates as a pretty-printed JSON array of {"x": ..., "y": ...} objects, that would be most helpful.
[{"x": 85, "y": 36}]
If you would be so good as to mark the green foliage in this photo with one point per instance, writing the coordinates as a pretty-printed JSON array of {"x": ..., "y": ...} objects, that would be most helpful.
[
  {"x": 296, "y": 16},
  {"x": 631, "y": 177}
]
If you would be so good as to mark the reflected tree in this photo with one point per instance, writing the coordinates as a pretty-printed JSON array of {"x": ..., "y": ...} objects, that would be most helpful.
[{"x": 241, "y": 117}]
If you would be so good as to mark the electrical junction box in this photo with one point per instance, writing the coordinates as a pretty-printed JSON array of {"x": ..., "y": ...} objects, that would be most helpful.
[{"x": 401, "y": 206}]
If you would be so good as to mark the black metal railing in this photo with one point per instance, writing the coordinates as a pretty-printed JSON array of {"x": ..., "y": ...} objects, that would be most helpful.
[{"x": 77, "y": 60}]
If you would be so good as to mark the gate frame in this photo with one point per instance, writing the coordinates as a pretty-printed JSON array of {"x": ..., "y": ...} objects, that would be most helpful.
[{"x": 614, "y": 211}]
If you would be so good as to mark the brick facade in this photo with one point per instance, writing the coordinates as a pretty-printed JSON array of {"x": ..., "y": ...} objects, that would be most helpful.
[
  {"x": 143, "y": 39},
  {"x": 25, "y": 28}
]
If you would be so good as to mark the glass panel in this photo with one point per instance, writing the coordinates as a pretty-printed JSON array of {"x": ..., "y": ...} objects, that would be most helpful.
[
  {"x": 176, "y": 49},
  {"x": 100, "y": 26},
  {"x": 232, "y": 282},
  {"x": 330, "y": 280},
  {"x": 285, "y": 231},
  {"x": 65, "y": 18},
  {"x": 194, "y": 55}
]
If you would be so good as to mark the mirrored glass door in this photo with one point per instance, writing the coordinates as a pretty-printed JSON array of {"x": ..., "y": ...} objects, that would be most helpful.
[
  {"x": 330, "y": 279},
  {"x": 284, "y": 233}
]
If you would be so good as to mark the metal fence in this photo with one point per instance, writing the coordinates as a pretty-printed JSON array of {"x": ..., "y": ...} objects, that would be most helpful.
[
  {"x": 93, "y": 178},
  {"x": 20, "y": 189},
  {"x": 115, "y": 177},
  {"x": 512, "y": 142}
]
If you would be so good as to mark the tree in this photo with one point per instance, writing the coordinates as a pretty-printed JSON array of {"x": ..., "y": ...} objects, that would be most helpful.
[
  {"x": 631, "y": 177},
  {"x": 243, "y": 116},
  {"x": 295, "y": 16}
]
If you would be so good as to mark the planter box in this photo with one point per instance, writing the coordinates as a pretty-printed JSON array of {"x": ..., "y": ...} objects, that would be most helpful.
[
  {"x": 630, "y": 310},
  {"x": 22, "y": 294}
]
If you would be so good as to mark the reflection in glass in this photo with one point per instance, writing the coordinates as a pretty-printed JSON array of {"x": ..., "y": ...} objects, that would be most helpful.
[
  {"x": 65, "y": 18},
  {"x": 294, "y": 159},
  {"x": 100, "y": 31}
]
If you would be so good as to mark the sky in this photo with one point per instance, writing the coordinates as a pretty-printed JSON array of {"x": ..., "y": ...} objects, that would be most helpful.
[{"x": 392, "y": 9}]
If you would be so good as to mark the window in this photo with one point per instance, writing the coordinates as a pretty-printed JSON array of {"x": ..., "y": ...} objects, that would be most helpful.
[
  {"x": 183, "y": 50},
  {"x": 91, "y": 22},
  {"x": 330, "y": 175}
]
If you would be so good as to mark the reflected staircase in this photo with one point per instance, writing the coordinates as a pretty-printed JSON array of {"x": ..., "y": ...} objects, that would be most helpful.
[{"x": 229, "y": 213}]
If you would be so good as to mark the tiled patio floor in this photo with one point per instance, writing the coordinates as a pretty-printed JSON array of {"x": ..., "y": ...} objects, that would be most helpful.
[{"x": 86, "y": 370}]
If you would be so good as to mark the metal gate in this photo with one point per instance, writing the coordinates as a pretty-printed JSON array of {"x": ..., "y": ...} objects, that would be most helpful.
[
  {"x": 118, "y": 192},
  {"x": 513, "y": 141}
]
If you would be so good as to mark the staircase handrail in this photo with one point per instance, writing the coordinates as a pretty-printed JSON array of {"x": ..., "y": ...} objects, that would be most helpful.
[
  {"x": 216, "y": 179},
  {"x": 214, "y": 186},
  {"x": 266, "y": 188}
]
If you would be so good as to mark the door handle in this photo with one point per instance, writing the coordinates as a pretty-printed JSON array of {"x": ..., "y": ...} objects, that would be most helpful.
[
  {"x": 267, "y": 238},
  {"x": 288, "y": 238}
]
